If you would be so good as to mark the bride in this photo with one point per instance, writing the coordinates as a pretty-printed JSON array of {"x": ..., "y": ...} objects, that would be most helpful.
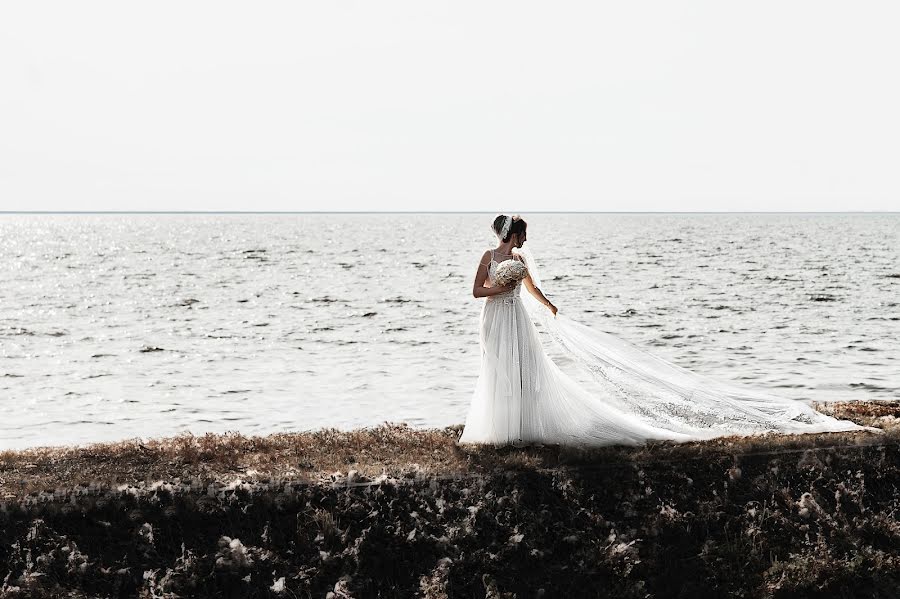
[{"x": 611, "y": 392}]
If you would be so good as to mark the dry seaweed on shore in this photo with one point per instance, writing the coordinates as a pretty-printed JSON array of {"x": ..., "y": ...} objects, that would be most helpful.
[
  {"x": 305, "y": 456},
  {"x": 385, "y": 450},
  {"x": 785, "y": 517}
]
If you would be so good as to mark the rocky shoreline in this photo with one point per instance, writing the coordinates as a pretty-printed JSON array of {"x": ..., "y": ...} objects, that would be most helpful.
[{"x": 399, "y": 512}]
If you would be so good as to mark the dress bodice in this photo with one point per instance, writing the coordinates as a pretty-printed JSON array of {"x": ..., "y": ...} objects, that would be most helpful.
[{"x": 508, "y": 296}]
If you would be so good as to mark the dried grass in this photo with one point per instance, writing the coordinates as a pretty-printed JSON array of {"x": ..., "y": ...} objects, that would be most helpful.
[{"x": 392, "y": 449}]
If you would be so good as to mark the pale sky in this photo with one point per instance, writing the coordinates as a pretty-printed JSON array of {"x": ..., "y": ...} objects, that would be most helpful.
[{"x": 470, "y": 106}]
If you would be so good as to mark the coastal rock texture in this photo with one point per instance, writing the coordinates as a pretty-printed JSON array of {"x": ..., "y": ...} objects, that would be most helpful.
[{"x": 399, "y": 512}]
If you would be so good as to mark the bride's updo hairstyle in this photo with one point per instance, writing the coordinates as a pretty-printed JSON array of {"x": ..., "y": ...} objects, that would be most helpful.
[{"x": 516, "y": 226}]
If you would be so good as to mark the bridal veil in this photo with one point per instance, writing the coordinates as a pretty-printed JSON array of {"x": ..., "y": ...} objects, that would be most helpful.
[{"x": 611, "y": 392}]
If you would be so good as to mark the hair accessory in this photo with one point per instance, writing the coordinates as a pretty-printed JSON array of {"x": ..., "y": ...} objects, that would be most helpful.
[{"x": 504, "y": 230}]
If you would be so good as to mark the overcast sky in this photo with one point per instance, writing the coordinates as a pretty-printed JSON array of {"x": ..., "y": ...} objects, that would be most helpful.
[{"x": 423, "y": 105}]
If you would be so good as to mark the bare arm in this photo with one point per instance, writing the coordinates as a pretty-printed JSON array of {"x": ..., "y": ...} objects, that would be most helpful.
[
  {"x": 478, "y": 289},
  {"x": 538, "y": 294}
]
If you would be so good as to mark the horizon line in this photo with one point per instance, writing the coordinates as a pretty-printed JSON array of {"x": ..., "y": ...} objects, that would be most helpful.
[{"x": 210, "y": 212}]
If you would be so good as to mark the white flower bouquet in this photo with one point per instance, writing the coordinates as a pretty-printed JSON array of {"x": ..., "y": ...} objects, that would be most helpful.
[{"x": 510, "y": 271}]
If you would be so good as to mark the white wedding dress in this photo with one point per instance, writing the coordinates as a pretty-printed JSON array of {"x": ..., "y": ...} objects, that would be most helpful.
[{"x": 611, "y": 393}]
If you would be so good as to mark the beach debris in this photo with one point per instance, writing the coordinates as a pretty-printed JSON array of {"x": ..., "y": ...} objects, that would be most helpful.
[
  {"x": 412, "y": 517},
  {"x": 232, "y": 554}
]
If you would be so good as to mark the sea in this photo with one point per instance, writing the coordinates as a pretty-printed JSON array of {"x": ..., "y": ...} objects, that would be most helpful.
[{"x": 119, "y": 326}]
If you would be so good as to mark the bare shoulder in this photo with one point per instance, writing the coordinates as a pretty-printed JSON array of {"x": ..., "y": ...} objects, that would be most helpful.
[{"x": 486, "y": 257}]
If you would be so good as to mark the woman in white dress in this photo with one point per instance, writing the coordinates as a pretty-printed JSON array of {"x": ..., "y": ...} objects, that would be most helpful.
[{"x": 625, "y": 396}]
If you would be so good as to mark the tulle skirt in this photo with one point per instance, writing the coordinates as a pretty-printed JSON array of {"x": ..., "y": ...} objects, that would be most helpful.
[{"x": 522, "y": 396}]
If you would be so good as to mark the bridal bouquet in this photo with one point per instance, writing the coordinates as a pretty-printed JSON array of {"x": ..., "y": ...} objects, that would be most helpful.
[{"x": 509, "y": 271}]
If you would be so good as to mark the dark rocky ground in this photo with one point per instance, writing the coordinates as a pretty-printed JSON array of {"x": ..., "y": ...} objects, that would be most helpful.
[{"x": 398, "y": 512}]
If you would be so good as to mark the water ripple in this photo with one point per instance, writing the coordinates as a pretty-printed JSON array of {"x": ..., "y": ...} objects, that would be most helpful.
[{"x": 266, "y": 323}]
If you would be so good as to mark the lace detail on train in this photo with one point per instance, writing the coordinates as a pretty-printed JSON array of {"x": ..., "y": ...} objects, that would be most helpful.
[{"x": 610, "y": 392}]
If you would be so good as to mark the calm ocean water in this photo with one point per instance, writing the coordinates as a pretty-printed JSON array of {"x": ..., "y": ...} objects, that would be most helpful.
[{"x": 117, "y": 326}]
